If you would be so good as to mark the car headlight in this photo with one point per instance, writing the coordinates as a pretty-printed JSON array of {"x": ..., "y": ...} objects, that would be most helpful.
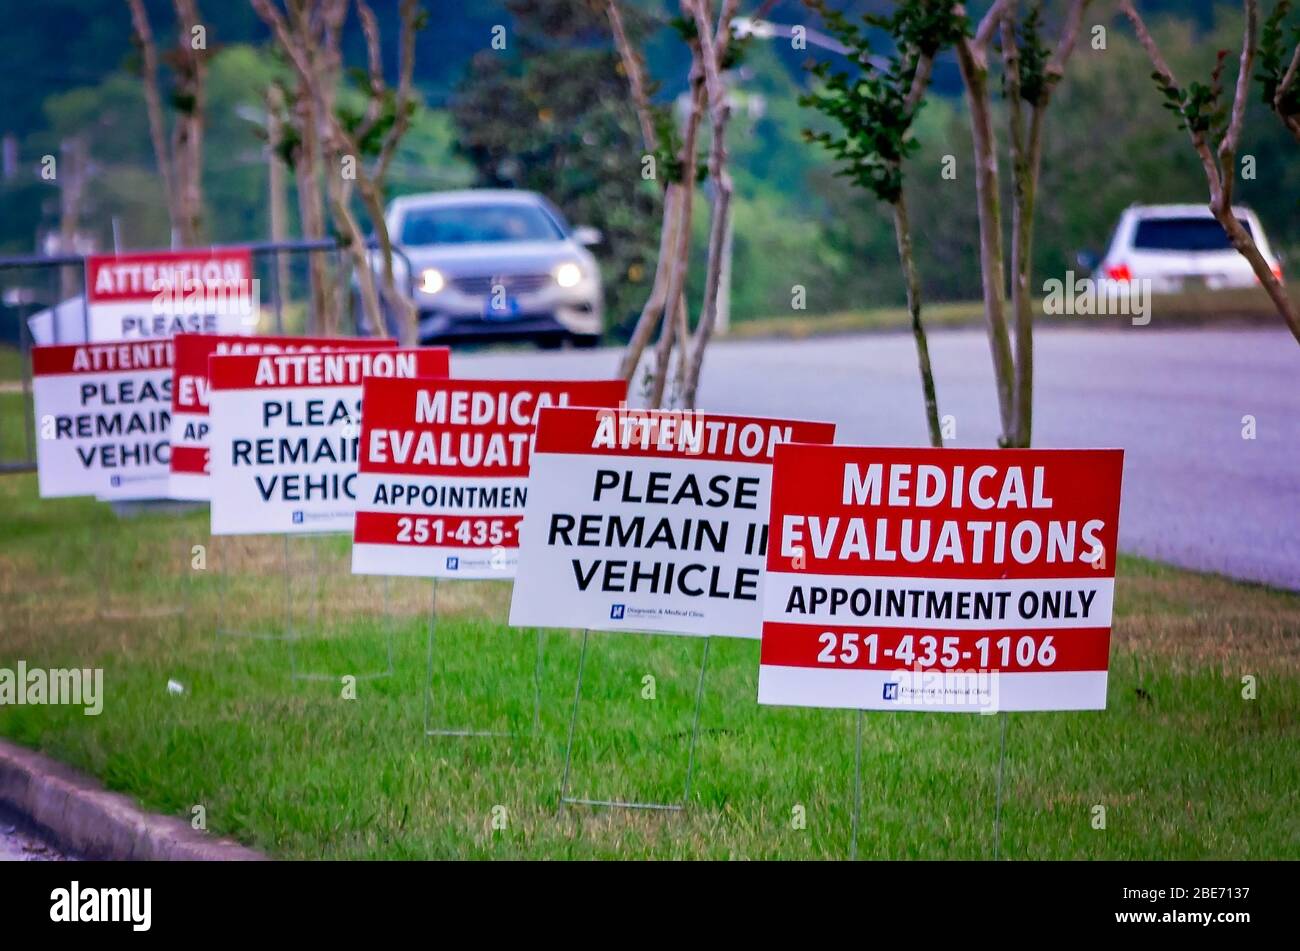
[
  {"x": 567, "y": 274},
  {"x": 431, "y": 280}
]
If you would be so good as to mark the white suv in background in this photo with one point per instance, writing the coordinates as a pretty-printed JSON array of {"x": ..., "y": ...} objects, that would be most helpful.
[
  {"x": 1181, "y": 248},
  {"x": 497, "y": 264}
]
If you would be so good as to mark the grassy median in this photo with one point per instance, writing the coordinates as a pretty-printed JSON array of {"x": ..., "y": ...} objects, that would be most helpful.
[{"x": 1182, "y": 764}]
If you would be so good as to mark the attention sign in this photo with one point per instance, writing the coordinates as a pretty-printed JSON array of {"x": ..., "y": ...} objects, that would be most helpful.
[
  {"x": 189, "y": 463},
  {"x": 444, "y": 471},
  {"x": 284, "y": 431},
  {"x": 103, "y": 423},
  {"x": 649, "y": 520},
  {"x": 940, "y": 579},
  {"x": 157, "y": 294}
]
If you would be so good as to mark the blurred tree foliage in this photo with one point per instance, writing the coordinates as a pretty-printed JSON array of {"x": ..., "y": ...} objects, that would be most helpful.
[
  {"x": 123, "y": 183},
  {"x": 550, "y": 113}
]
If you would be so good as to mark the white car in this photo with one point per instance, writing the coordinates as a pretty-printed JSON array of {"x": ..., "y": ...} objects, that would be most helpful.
[
  {"x": 497, "y": 264},
  {"x": 1181, "y": 248}
]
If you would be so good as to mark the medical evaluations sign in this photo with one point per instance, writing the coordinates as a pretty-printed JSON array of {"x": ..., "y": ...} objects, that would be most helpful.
[
  {"x": 444, "y": 470},
  {"x": 103, "y": 419},
  {"x": 940, "y": 579},
  {"x": 284, "y": 431},
  {"x": 154, "y": 294},
  {"x": 649, "y": 521},
  {"x": 188, "y": 477}
]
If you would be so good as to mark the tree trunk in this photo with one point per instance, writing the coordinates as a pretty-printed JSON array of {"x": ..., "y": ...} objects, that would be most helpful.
[
  {"x": 654, "y": 305},
  {"x": 187, "y": 131},
  {"x": 1026, "y": 161},
  {"x": 692, "y": 359},
  {"x": 712, "y": 288},
  {"x": 681, "y": 259},
  {"x": 153, "y": 108},
  {"x": 276, "y": 206},
  {"x": 398, "y": 301},
  {"x": 355, "y": 245},
  {"x": 992, "y": 272},
  {"x": 903, "y": 232},
  {"x": 311, "y": 211}
]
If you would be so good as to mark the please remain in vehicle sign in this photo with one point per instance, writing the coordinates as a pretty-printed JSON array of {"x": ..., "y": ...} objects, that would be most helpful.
[
  {"x": 103, "y": 419},
  {"x": 189, "y": 476},
  {"x": 284, "y": 431},
  {"x": 940, "y": 579},
  {"x": 649, "y": 521}
]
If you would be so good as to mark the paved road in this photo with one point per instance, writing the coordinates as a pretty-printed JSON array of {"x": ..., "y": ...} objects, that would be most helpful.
[{"x": 1195, "y": 492}]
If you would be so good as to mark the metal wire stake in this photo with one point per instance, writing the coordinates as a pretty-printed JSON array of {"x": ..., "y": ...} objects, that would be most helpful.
[
  {"x": 997, "y": 809},
  {"x": 573, "y": 717},
  {"x": 389, "y": 624},
  {"x": 429, "y": 729},
  {"x": 695, "y": 726},
  {"x": 428, "y": 667},
  {"x": 617, "y": 803},
  {"x": 857, "y": 788},
  {"x": 288, "y": 599},
  {"x": 317, "y": 624},
  {"x": 537, "y": 686},
  {"x": 223, "y": 588}
]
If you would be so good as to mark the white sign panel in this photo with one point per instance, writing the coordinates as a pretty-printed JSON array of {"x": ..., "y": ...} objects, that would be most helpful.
[
  {"x": 649, "y": 521},
  {"x": 944, "y": 580},
  {"x": 284, "y": 431},
  {"x": 103, "y": 421},
  {"x": 154, "y": 294},
  {"x": 444, "y": 471},
  {"x": 189, "y": 467}
]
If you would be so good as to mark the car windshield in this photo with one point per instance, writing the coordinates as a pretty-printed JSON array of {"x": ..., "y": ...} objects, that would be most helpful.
[
  {"x": 471, "y": 224},
  {"x": 1182, "y": 234}
]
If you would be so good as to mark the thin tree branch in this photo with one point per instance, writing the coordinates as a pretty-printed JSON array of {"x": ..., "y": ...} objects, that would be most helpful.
[
  {"x": 153, "y": 103},
  {"x": 711, "y": 55},
  {"x": 987, "y": 26},
  {"x": 1249, "y": 45},
  {"x": 631, "y": 61},
  {"x": 920, "y": 82},
  {"x": 1288, "y": 79},
  {"x": 1167, "y": 78},
  {"x": 1065, "y": 46},
  {"x": 1220, "y": 174}
]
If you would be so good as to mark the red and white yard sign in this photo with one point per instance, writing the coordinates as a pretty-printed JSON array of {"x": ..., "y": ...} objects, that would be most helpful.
[
  {"x": 103, "y": 419},
  {"x": 444, "y": 471},
  {"x": 284, "y": 431},
  {"x": 940, "y": 579},
  {"x": 649, "y": 521},
  {"x": 154, "y": 294},
  {"x": 190, "y": 447}
]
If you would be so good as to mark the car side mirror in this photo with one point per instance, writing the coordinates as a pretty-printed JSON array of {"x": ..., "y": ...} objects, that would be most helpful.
[
  {"x": 1088, "y": 260},
  {"x": 587, "y": 236}
]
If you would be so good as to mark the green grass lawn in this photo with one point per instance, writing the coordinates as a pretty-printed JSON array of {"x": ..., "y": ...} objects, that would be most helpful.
[
  {"x": 11, "y": 364},
  {"x": 1184, "y": 766}
]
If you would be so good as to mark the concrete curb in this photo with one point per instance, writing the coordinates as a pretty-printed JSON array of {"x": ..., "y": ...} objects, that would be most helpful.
[{"x": 85, "y": 818}]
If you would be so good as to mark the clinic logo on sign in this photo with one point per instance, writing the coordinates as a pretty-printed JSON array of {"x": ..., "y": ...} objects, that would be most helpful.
[
  {"x": 297, "y": 518},
  {"x": 453, "y": 563},
  {"x": 616, "y": 612},
  {"x": 891, "y": 690}
]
